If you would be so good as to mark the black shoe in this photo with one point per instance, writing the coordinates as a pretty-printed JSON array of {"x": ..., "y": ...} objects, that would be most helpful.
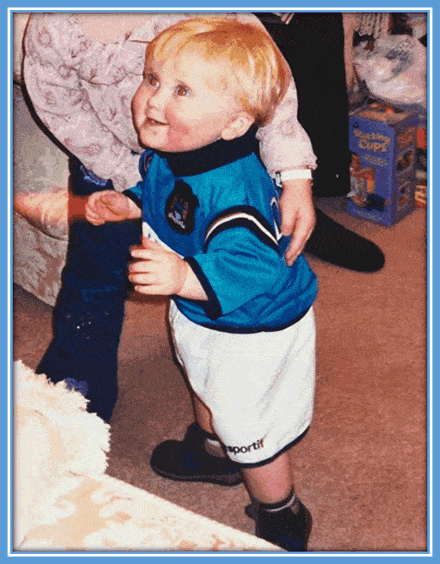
[
  {"x": 289, "y": 528},
  {"x": 337, "y": 245},
  {"x": 188, "y": 461}
]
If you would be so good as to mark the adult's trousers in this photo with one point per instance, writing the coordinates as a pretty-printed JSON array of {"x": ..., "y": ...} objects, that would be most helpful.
[{"x": 88, "y": 314}]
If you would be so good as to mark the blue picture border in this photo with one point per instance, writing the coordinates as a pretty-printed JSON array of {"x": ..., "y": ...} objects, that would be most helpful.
[{"x": 6, "y": 251}]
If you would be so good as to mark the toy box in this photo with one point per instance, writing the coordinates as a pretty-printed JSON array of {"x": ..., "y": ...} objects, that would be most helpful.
[
  {"x": 382, "y": 142},
  {"x": 421, "y": 168}
]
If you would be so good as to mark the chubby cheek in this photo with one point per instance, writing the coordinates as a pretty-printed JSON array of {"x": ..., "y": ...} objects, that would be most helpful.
[
  {"x": 187, "y": 134},
  {"x": 181, "y": 125},
  {"x": 180, "y": 134}
]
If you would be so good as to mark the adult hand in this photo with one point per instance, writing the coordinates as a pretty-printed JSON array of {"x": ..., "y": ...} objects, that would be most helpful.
[{"x": 297, "y": 215}]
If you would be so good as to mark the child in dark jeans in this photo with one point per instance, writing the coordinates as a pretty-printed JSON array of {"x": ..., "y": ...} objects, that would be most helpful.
[{"x": 241, "y": 318}]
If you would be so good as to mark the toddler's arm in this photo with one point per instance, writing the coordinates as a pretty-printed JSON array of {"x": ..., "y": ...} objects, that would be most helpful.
[{"x": 109, "y": 205}]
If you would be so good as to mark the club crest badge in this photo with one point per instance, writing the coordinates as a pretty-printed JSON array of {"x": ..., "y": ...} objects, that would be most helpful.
[{"x": 180, "y": 208}]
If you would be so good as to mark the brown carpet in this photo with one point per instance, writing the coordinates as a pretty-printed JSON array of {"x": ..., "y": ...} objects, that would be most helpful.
[{"x": 361, "y": 469}]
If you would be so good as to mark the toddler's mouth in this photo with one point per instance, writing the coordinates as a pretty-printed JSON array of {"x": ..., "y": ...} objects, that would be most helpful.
[{"x": 152, "y": 121}]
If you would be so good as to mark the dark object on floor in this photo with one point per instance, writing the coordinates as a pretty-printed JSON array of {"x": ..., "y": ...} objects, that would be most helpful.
[
  {"x": 188, "y": 461},
  {"x": 333, "y": 243}
]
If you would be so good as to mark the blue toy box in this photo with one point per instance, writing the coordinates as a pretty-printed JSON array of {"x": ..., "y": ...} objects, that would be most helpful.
[{"x": 382, "y": 141}]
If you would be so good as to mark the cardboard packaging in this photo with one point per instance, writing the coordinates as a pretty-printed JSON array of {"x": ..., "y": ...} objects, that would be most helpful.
[
  {"x": 421, "y": 168},
  {"x": 382, "y": 141}
]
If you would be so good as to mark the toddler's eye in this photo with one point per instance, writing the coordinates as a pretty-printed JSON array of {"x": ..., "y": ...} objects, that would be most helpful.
[
  {"x": 182, "y": 91},
  {"x": 152, "y": 80}
]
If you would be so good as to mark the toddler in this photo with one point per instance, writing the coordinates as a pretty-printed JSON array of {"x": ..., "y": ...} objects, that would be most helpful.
[{"x": 241, "y": 318}]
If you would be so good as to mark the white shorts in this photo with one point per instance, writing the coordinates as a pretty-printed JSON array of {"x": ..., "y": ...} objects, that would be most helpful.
[{"x": 259, "y": 387}]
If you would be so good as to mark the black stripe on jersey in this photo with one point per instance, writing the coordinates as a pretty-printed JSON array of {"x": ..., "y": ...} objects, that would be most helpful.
[
  {"x": 243, "y": 216},
  {"x": 133, "y": 197},
  {"x": 212, "y": 307}
]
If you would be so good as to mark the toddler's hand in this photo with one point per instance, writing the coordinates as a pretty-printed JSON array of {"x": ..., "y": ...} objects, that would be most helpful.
[
  {"x": 107, "y": 205},
  {"x": 156, "y": 270}
]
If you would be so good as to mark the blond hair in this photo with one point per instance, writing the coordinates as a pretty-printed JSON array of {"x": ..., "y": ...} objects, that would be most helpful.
[{"x": 247, "y": 59}]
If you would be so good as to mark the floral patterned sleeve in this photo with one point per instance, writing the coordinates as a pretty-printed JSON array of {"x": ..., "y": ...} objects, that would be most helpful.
[
  {"x": 284, "y": 144},
  {"x": 81, "y": 89}
]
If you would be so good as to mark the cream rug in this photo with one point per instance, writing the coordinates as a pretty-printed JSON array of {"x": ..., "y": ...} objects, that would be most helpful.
[{"x": 64, "y": 501}]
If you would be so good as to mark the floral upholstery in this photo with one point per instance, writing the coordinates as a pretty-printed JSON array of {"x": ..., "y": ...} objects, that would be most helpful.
[{"x": 40, "y": 212}]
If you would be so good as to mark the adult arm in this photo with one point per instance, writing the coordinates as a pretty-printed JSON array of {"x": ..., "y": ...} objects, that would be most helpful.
[
  {"x": 81, "y": 85},
  {"x": 285, "y": 147},
  {"x": 61, "y": 82}
]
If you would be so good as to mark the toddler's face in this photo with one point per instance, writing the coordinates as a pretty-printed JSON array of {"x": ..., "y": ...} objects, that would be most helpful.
[{"x": 182, "y": 105}]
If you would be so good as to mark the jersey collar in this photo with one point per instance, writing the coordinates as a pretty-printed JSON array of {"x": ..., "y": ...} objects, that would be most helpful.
[{"x": 212, "y": 156}]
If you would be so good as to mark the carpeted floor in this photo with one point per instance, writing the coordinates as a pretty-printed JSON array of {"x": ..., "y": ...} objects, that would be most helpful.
[{"x": 361, "y": 469}]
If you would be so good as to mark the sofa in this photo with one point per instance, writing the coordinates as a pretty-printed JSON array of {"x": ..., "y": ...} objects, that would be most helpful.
[
  {"x": 40, "y": 193},
  {"x": 40, "y": 204}
]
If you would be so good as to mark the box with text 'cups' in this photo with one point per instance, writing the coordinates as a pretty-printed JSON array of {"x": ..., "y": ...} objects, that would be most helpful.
[{"x": 382, "y": 142}]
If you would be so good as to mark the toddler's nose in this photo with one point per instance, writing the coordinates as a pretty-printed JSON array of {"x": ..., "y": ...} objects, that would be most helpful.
[{"x": 158, "y": 99}]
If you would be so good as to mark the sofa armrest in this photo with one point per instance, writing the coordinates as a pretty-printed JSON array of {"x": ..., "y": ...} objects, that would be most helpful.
[{"x": 19, "y": 21}]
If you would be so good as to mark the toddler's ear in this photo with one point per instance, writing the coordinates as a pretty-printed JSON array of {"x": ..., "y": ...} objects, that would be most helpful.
[{"x": 238, "y": 126}]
